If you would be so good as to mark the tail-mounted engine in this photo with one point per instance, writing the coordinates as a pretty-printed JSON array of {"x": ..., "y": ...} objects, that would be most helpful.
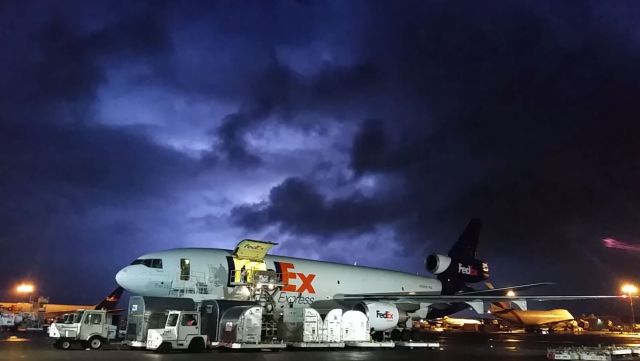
[
  {"x": 460, "y": 266},
  {"x": 465, "y": 271}
]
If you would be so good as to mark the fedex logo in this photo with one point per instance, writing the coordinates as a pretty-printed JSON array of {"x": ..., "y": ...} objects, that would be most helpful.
[
  {"x": 253, "y": 247},
  {"x": 468, "y": 270},
  {"x": 306, "y": 280},
  {"x": 387, "y": 315}
]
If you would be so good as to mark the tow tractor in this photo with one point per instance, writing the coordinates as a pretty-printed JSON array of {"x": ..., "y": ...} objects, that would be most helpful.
[
  {"x": 90, "y": 328},
  {"x": 181, "y": 332},
  {"x": 7, "y": 321}
]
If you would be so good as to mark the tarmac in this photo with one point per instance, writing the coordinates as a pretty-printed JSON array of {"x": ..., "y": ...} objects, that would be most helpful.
[{"x": 455, "y": 346}]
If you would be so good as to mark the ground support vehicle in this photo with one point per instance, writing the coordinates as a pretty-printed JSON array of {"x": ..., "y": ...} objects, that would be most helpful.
[
  {"x": 182, "y": 331},
  {"x": 146, "y": 313},
  {"x": 90, "y": 329}
]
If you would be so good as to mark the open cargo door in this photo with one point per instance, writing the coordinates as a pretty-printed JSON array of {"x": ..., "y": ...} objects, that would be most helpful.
[{"x": 252, "y": 250}]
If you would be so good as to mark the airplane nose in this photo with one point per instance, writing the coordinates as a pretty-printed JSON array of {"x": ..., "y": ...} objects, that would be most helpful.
[
  {"x": 121, "y": 278},
  {"x": 133, "y": 279}
]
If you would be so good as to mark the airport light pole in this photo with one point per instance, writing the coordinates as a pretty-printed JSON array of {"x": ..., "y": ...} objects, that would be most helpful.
[
  {"x": 25, "y": 288},
  {"x": 629, "y": 290}
]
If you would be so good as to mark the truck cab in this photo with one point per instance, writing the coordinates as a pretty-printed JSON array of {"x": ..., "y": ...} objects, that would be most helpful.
[
  {"x": 182, "y": 331},
  {"x": 89, "y": 328},
  {"x": 7, "y": 321}
]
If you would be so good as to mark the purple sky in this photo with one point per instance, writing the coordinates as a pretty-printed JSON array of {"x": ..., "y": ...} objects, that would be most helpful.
[{"x": 348, "y": 131}]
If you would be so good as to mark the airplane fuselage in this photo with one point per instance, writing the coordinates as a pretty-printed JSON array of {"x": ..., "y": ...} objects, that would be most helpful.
[
  {"x": 50, "y": 309},
  {"x": 530, "y": 318},
  {"x": 303, "y": 281}
]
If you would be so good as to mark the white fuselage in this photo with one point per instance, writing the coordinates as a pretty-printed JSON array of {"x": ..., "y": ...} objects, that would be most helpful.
[{"x": 305, "y": 281}]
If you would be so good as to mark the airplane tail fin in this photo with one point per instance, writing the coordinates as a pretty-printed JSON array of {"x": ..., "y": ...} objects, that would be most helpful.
[
  {"x": 460, "y": 267},
  {"x": 466, "y": 246},
  {"x": 111, "y": 301}
]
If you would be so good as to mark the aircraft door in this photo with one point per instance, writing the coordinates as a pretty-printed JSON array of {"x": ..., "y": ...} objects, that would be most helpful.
[
  {"x": 188, "y": 326},
  {"x": 92, "y": 324},
  {"x": 247, "y": 259},
  {"x": 252, "y": 250}
]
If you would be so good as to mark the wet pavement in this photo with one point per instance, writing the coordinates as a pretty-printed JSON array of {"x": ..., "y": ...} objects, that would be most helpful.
[{"x": 454, "y": 346}]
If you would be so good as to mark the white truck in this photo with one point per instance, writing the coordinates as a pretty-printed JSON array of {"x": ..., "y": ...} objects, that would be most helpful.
[
  {"x": 181, "y": 332},
  {"x": 89, "y": 328},
  {"x": 7, "y": 321}
]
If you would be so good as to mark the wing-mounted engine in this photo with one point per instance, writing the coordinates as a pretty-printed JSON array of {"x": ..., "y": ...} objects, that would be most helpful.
[{"x": 382, "y": 316}]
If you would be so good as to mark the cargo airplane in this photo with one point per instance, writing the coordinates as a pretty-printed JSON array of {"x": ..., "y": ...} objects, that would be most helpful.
[
  {"x": 54, "y": 310},
  {"x": 532, "y": 320},
  {"x": 389, "y": 298}
]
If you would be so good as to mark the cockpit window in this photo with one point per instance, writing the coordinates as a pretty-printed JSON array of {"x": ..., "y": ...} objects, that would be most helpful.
[{"x": 149, "y": 262}]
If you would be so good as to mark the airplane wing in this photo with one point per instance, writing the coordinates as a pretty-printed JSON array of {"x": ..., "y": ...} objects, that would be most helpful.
[
  {"x": 554, "y": 323},
  {"x": 502, "y": 291},
  {"x": 488, "y": 295},
  {"x": 433, "y": 298}
]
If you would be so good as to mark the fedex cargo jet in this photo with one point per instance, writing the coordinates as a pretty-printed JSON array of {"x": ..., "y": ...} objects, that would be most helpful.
[{"x": 389, "y": 298}]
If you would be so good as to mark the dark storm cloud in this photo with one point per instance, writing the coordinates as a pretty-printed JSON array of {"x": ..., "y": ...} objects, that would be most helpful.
[
  {"x": 54, "y": 63},
  {"x": 75, "y": 194},
  {"x": 300, "y": 209},
  {"x": 114, "y": 164},
  {"x": 279, "y": 94},
  {"x": 520, "y": 113},
  {"x": 531, "y": 123},
  {"x": 75, "y": 198}
]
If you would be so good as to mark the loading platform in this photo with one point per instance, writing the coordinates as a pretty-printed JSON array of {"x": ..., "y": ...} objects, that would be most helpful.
[
  {"x": 605, "y": 353},
  {"x": 316, "y": 344},
  {"x": 252, "y": 346},
  {"x": 370, "y": 344},
  {"x": 412, "y": 345}
]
